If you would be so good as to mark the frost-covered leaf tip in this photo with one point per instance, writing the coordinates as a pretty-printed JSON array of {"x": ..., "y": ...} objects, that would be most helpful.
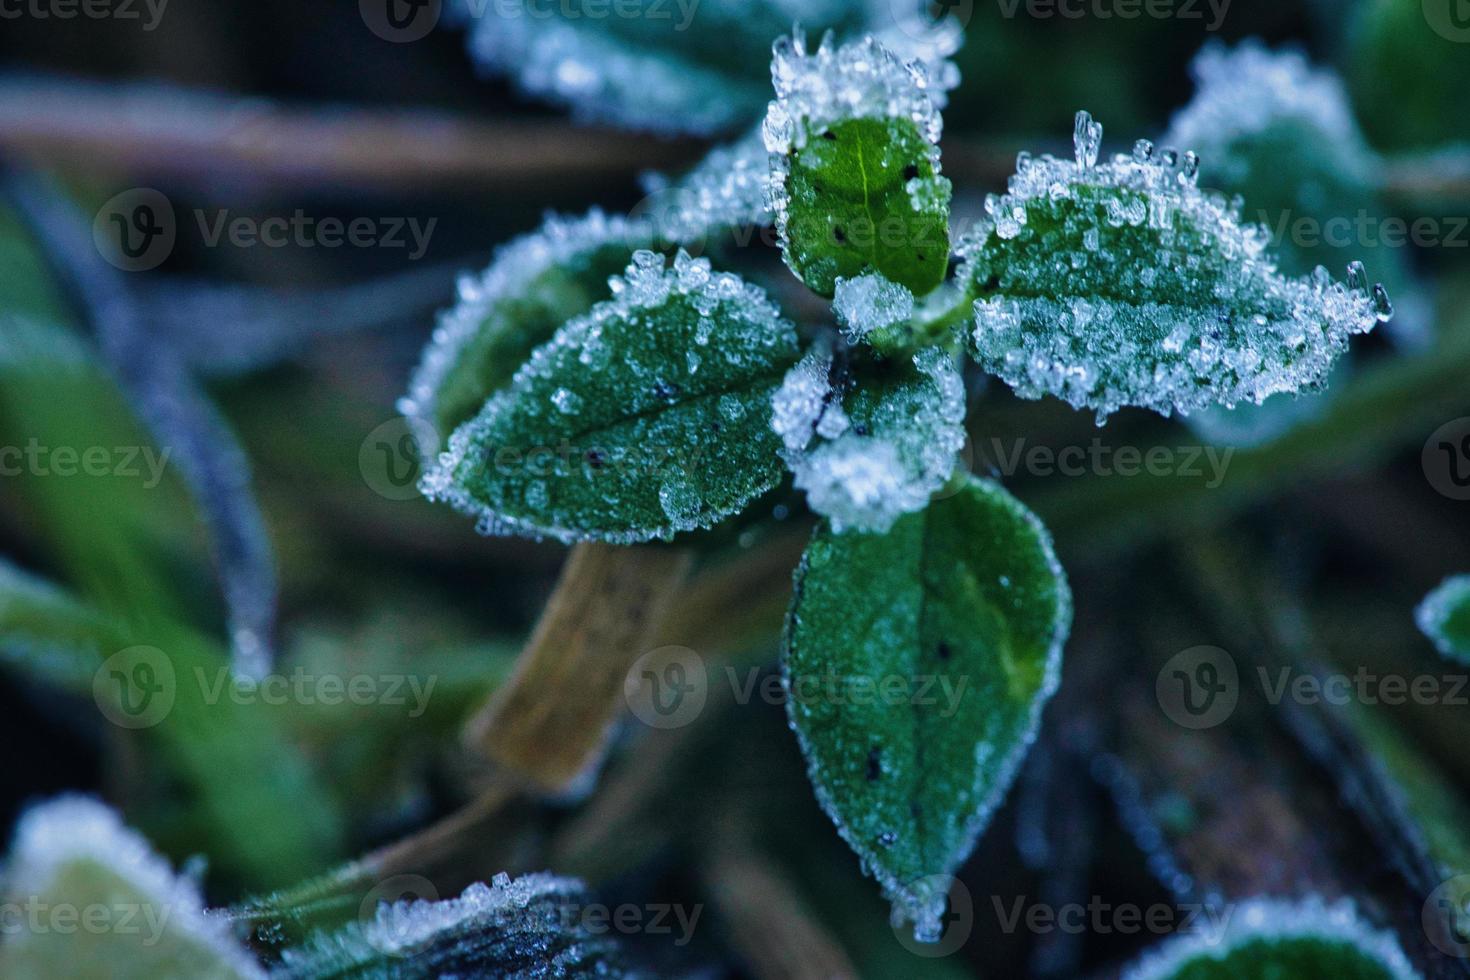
[
  {"x": 647, "y": 416},
  {"x": 1121, "y": 283},
  {"x": 1444, "y": 617},
  {"x": 957, "y": 615},
  {"x": 855, "y": 185}
]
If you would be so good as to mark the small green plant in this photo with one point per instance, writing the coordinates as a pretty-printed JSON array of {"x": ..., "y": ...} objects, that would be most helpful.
[{"x": 586, "y": 404}]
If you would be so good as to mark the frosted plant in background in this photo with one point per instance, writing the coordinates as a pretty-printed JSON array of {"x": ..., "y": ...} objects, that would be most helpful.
[
  {"x": 1444, "y": 617},
  {"x": 74, "y": 852},
  {"x": 675, "y": 67},
  {"x": 1277, "y": 938},
  {"x": 684, "y": 394},
  {"x": 728, "y": 189}
]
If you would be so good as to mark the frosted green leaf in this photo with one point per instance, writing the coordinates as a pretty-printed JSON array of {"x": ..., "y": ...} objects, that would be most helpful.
[
  {"x": 131, "y": 917},
  {"x": 917, "y": 663},
  {"x": 1121, "y": 283},
  {"x": 1266, "y": 939},
  {"x": 647, "y": 416},
  {"x": 529, "y": 928},
  {"x": 1444, "y": 617},
  {"x": 868, "y": 448},
  {"x": 855, "y": 185},
  {"x": 536, "y": 283}
]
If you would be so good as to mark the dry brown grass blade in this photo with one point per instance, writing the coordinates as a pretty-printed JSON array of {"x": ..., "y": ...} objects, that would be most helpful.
[{"x": 549, "y": 723}]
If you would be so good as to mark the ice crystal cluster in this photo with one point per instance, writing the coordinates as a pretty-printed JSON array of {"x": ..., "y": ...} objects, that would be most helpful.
[
  {"x": 1121, "y": 283},
  {"x": 75, "y": 851},
  {"x": 1444, "y": 617},
  {"x": 681, "y": 360},
  {"x": 525, "y": 927},
  {"x": 1278, "y": 938},
  {"x": 869, "y": 304},
  {"x": 866, "y": 455}
]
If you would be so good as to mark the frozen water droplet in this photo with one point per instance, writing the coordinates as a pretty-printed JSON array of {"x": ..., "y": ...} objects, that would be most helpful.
[{"x": 1086, "y": 139}]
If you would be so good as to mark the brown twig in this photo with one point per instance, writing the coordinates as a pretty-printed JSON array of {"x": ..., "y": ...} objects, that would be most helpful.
[{"x": 154, "y": 130}]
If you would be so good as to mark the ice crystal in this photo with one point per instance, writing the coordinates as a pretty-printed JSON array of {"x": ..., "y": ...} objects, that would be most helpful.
[
  {"x": 1444, "y": 617},
  {"x": 867, "y": 453},
  {"x": 1275, "y": 937},
  {"x": 1121, "y": 283},
  {"x": 75, "y": 851},
  {"x": 505, "y": 311},
  {"x": 528, "y": 927},
  {"x": 870, "y": 303},
  {"x": 611, "y": 431}
]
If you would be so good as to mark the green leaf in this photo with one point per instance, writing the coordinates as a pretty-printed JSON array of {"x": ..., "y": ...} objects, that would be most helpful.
[
  {"x": 536, "y": 283},
  {"x": 1444, "y": 617},
  {"x": 529, "y": 927},
  {"x": 96, "y": 901},
  {"x": 854, "y": 137},
  {"x": 918, "y": 662},
  {"x": 1121, "y": 283},
  {"x": 1264, "y": 939},
  {"x": 649, "y": 415},
  {"x": 875, "y": 444}
]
